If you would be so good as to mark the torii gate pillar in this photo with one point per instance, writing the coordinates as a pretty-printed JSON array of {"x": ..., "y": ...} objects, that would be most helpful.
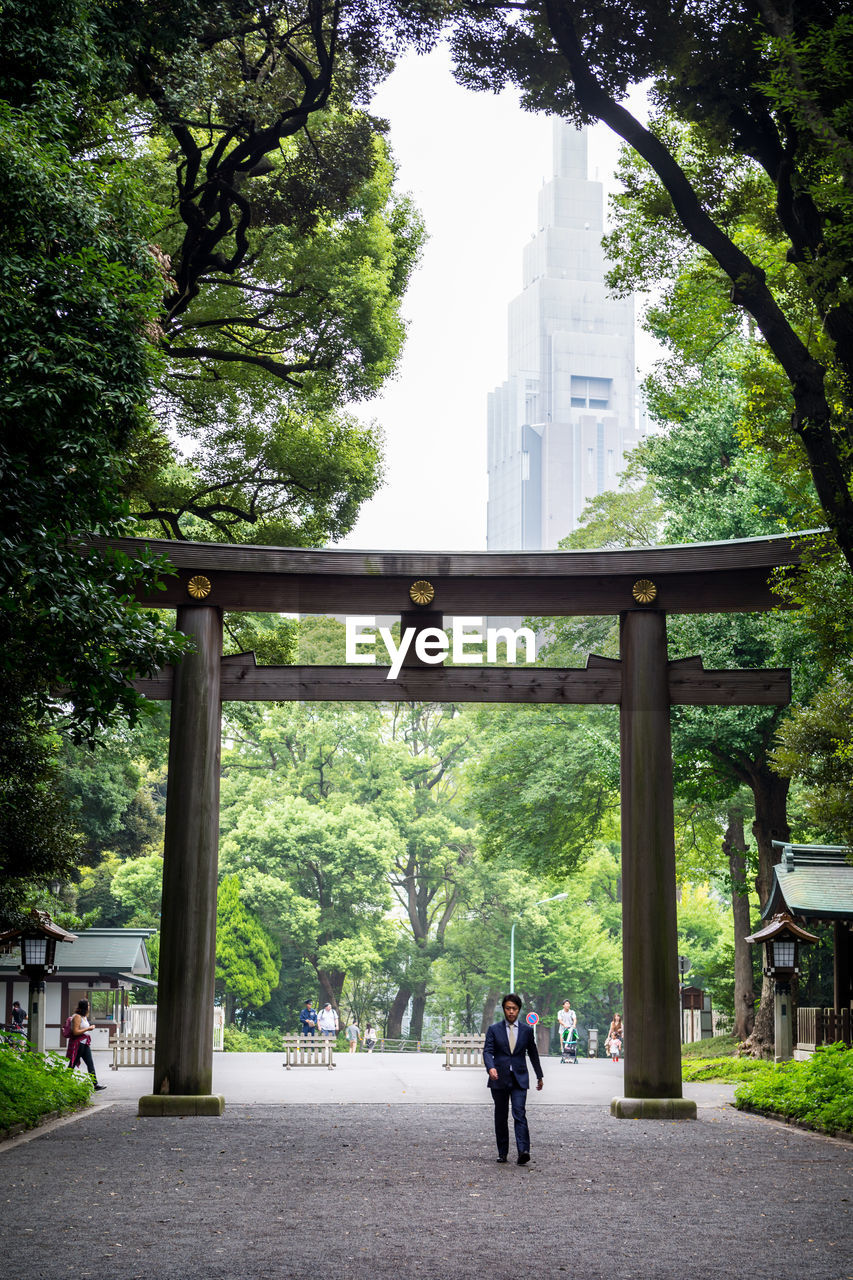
[
  {"x": 649, "y": 925},
  {"x": 183, "y": 1058}
]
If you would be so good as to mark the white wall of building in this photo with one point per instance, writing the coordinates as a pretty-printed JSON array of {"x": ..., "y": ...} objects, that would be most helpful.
[{"x": 561, "y": 424}]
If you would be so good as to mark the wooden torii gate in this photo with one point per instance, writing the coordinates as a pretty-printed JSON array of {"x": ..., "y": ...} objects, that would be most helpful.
[{"x": 640, "y": 586}]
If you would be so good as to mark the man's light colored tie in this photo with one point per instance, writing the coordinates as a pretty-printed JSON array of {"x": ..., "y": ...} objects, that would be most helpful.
[{"x": 513, "y": 1032}]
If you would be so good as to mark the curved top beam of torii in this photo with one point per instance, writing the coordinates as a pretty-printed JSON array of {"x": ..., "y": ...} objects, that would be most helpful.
[{"x": 715, "y": 577}]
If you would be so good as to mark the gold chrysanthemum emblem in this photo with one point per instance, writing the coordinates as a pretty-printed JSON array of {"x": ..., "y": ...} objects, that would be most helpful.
[
  {"x": 422, "y": 592},
  {"x": 199, "y": 587},
  {"x": 644, "y": 591}
]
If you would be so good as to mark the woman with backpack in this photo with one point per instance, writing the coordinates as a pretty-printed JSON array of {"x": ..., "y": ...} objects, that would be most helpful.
[{"x": 78, "y": 1049}]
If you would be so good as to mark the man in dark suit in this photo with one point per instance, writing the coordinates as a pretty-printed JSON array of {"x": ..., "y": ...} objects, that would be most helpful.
[{"x": 508, "y": 1046}]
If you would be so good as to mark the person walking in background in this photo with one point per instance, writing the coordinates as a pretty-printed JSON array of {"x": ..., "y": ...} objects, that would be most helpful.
[
  {"x": 308, "y": 1019},
  {"x": 568, "y": 1020},
  {"x": 508, "y": 1046},
  {"x": 352, "y": 1035},
  {"x": 79, "y": 1042},
  {"x": 18, "y": 1016},
  {"x": 615, "y": 1031},
  {"x": 328, "y": 1021},
  {"x": 615, "y": 1047},
  {"x": 370, "y": 1037}
]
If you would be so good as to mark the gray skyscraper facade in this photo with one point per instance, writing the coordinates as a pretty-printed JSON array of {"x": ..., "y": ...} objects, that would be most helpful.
[{"x": 561, "y": 424}]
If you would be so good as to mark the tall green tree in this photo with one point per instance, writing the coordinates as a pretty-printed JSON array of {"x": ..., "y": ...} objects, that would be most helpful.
[
  {"x": 77, "y": 289},
  {"x": 317, "y": 877},
  {"x": 246, "y": 960},
  {"x": 201, "y": 259}
]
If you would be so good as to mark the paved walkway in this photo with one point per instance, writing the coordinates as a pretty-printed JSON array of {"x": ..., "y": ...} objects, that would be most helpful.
[
  {"x": 395, "y": 1078},
  {"x": 385, "y": 1168}
]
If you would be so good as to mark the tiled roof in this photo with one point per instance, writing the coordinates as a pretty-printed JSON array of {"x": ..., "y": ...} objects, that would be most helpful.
[
  {"x": 96, "y": 951},
  {"x": 814, "y": 882}
]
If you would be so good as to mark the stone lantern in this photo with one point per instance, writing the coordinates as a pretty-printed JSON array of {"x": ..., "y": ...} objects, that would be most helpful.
[
  {"x": 38, "y": 939},
  {"x": 782, "y": 939}
]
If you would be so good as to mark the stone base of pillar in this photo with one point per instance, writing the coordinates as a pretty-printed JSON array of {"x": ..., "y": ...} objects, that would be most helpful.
[
  {"x": 653, "y": 1108},
  {"x": 178, "y": 1104}
]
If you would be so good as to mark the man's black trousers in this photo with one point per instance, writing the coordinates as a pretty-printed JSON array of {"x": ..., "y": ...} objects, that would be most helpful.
[{"x": 503, "y": 1100}]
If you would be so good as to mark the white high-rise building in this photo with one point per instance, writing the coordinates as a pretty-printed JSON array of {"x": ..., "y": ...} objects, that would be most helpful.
[{"x": 561, "y": 424}]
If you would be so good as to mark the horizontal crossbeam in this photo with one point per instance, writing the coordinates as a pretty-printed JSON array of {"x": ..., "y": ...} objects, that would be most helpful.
[
  {"x": 700, "y": 578},
  {"x": 242, "y": 681}
]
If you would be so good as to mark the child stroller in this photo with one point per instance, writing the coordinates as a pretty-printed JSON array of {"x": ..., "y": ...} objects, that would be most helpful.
[{"x": 570, "y": 1047}]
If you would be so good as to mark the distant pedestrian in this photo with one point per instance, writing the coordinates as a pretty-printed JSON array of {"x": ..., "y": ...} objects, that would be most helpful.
[
  {"x": 615, "y": 1047},
  {"x": 370, "y": 1037},
  {"x": 568, "y": 1021},
  {"x": 615, "y": 1031},
  {"x": 327, "y": 1021},
  {"x": 18, "y": 1016},
  {"x": 79, "y": 1041},
  {"x": 352, "y": 1035},
  {"x": 308, "y": 1019}
]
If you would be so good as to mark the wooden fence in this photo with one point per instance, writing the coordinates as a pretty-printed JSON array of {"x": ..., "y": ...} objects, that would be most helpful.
[
  {"x": 133, "y": 1049},
  {"x": 818, "y": 1027},
  {"x": 308, "y": 1051},
  {"x": 463, "y": 1051}
]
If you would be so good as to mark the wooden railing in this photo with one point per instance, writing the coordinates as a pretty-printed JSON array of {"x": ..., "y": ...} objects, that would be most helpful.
[
  {"x": 463, "y": 1051},
  {"x": 133, "y": 1049},
  {"x": 818, "y": 1027},
  {"x": 386, "y": 1045},
  {"x": 308, "y": 1051}
]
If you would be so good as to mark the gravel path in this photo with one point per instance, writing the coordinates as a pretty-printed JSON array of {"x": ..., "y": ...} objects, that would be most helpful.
[{"x": 297, "y": 1191}]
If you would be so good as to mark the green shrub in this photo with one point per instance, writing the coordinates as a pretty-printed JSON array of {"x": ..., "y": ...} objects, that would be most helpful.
[
  {"x": 716, "y": 1047},
  {"x": 818, "y": 1092},
  {"x": 722, "y": 1068},
  {"x": 258, "y": 1040},
  {"x": 33, "y": 1084}
]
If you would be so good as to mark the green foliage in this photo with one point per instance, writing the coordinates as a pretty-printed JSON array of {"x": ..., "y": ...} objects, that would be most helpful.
[
  {"x": 37, "y": 843},
  {"x": 34, "y": 1084},
  {"x": 73, "y": 421},
  {"x": 628, "y": 517},
  {"x": 271, "y": 638},
  {"x": 255, "y": 1040},
  {"x": 532, "y": 759},
  {"x": 569, "y": 948},
  {"x": 138, "y": 886},
  {"x": 322, "y": 641},
  {"x": 110, "y": 798},
  {"x": 729, "y": 1069},
  {"x": 817, "y": 1093},
  {"x": 77, "y": 287},
  {"x": 815, "y": 745},
  {"x": 246, "y": 966},
  {"x": 714, "y": 1047},
  {"x": 704, "y": 927}
]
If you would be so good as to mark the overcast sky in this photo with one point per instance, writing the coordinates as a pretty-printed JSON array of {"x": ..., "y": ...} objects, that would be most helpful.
[{"x": 474, "y": 163}]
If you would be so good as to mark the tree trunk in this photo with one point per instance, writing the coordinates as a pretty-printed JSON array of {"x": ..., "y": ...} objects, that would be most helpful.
[
  {"x": 735, "y": 847},
  {"x": 395, "y": 1015},
  {"x": 332, "y": 983},
  {"x": 416, "y": 1026},
  {"x": 489, "y": 1011},
  {"x": 771, "y": 823},
  {"x": 770, "y": 793}
]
